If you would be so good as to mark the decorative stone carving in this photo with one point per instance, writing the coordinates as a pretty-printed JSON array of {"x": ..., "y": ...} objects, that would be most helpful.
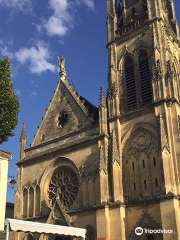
[
  {"x": 144, "y": 221},
  {"x": 163, "y": 139},
  {"x": 62, "y": 72},
  {"x": 102, "y": 101},
  {"x": 179, "y": 123},
  {"x": 157, "y": 71},
  {"x": 141, "y": 141},
  {"x": 169, "y": 73},
  {"x": 103, "y": 163},
  {"x": 65, "y": 185},
  {"x": 89, "y": 171},
  {"x": 112, "y": 91},
  {"x": 62, "y": 119},
  {"x": 115, "y": 152},
  {"x": 132, "y": 26}
]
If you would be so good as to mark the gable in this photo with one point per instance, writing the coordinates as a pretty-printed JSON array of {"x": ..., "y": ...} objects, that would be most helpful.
[{"x": 68, "y": 112}]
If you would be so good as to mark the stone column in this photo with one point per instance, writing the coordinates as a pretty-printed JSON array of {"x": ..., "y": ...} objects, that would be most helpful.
[
  {"x": 103, "y": 223},
  {"x": 4, "y": 160},
  {"x": 168, "y": 216}
]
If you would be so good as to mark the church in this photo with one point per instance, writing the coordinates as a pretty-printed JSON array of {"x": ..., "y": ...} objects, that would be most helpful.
[{"x": 113, "y": 168}]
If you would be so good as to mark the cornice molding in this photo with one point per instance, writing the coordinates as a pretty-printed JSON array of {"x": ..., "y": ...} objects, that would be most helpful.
[{"x": 66, "y": 148}]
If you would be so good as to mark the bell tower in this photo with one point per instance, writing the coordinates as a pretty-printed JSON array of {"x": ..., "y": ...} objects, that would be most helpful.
[{"x": 144, "y": 110}]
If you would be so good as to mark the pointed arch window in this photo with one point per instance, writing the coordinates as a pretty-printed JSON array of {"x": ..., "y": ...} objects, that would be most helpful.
[
  {"x": 38, "y": 203},
  {"x": 145, "y": 79},
  {"x": 25, "y": 199},
  {"x": 29, "y": 237},
  {"x": 130, "y": 84},
  {"x": 31, "y": 202}
]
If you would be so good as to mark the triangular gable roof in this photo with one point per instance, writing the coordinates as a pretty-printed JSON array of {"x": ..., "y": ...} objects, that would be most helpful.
[{"x": 78, "y": 111}]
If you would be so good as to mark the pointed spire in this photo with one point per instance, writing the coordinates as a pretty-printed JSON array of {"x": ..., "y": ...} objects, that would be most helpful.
[
  {"x": 62, "y": 72},
  {"x": 23, "y": 142},
  {"x": 102, "y": 101},
  {"x": 23, "y": 133}
]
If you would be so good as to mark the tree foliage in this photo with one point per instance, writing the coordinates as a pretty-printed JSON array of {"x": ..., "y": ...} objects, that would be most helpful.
[{"x": 9, "y": 103}]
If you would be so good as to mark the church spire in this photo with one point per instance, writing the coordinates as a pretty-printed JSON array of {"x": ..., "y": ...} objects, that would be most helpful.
[{"x": 23, "y": 142}]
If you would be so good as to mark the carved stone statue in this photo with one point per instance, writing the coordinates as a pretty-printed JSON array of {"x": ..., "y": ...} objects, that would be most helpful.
[{"x": 62, "y": 72}]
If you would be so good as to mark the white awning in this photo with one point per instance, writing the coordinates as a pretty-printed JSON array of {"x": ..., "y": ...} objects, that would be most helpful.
[{"x": 27, "y": 226}]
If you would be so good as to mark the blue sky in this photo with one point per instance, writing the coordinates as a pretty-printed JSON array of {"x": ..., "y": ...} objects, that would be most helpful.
[{"x": 33, "y": 33}]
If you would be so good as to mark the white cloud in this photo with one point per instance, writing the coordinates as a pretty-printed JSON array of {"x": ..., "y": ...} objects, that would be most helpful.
[
  {"x": 38, "y": 57},
  {"x": 89, "y": 3},
  {"x": 6, "y": 53},
  {"x": 34, "y": 93},
  {"x": 17, "y": 92},
  {"x": 17, "y": 4},
  {"x": 62, "y": 20}
]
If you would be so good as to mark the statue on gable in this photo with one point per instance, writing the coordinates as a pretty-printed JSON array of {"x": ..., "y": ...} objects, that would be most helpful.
[{"x": 62, "y": 72}]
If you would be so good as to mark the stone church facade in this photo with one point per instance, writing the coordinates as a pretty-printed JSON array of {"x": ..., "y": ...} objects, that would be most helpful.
[{"x": 117, "y": 167}]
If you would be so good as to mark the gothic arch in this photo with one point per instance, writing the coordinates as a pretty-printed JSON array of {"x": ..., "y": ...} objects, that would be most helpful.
[
  {"x": 141, "y": 45},
  {"x": 176, "y": 65},
  {"x": 37, "y": 192},
  {"x": 91, "y": 233},
  {"x": 31, "y": 201},
  {"x": 122, "y": 58},
  {"x": 29, "y": 236},
  {"x": 25, "y": 203},
  {"x": 143, "y": 125},
  {"x": 142, "y": 165},
  {"x": 146, "y": 221},
  {"x": 61, "y": 162}
]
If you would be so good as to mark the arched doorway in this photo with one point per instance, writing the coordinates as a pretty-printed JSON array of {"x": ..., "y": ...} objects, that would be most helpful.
[
  {"x": 91, "y": 233},
  {"x": 63, "y": 238}
]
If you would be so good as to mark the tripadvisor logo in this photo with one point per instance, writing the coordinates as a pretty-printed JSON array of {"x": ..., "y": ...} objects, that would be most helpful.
[{"x": 138, "y": 231}]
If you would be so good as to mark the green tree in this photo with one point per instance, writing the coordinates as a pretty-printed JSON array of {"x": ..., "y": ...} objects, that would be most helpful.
[{"x": 9, "y": 103}]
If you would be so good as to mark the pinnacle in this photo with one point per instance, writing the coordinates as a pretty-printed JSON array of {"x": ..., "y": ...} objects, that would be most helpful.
[
  {"x": 102, "y": 101},
  {"x": 23, "y": 133}
]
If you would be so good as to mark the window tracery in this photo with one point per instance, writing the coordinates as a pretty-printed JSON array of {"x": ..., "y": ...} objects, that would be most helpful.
[
  {"x": 140, "y": 151},
  {"x": 62, "y": 119},
  {"x": 65, "y": 185},
  {"x": 137, "y": 84},
  {"x": 31, "y": 201}
]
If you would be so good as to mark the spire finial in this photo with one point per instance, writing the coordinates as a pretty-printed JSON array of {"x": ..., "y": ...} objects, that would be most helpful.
[
  {"x": 102, "y": 101},
  {"x": 23, "y": 133},
  {"x": 62, "y": 72}
]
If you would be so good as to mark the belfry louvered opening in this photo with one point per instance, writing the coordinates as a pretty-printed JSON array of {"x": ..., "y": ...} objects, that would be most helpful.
[
  {"x": 130, "y": 84},
  {"x": 146, "y": 90}
]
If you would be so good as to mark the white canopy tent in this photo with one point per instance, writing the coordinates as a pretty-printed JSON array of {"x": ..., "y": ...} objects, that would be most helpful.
[{"x": 43, "y": 228}]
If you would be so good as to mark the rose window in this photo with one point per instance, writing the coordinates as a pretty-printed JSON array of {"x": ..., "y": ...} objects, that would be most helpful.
[
  {"x": 65, "y": 185},
  {"x": 62, "y": 119}
]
